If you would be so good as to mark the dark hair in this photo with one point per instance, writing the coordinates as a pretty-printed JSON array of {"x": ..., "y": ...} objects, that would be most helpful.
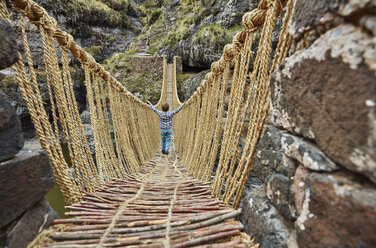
[{"x": 165, "y": 106}]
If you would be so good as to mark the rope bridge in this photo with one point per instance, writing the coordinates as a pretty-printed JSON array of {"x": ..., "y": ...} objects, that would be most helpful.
[{"x": 216, "y": 133}]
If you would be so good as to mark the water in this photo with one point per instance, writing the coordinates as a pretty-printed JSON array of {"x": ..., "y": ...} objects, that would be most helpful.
[
  {"x": 54, "y": 196},
  {"x": 56, "y": 200}
]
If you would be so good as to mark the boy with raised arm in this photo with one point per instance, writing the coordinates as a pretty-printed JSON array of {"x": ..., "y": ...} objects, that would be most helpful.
[{"x": 165, "y": 123}]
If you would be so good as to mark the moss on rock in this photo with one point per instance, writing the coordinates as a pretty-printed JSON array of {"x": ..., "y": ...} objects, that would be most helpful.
[
  {"x": 112, "y": 13},
  {"x": 215, "y": 33},
  {"x": 147, "y": 85},
  {"x": 94, "y": 50}
]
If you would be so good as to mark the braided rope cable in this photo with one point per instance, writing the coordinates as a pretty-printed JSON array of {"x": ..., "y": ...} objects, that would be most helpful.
[
  {"x": 166, "y": 242},
  {"x": 219, "y": 121}
]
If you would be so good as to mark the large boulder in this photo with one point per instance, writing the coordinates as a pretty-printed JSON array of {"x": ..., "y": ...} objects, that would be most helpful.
[
  {"x": 23, "y": 230},
  {"x": 8, "y": 45},
  {"x": 262, "y": 220},
  {"x": 213, "y": 27},
  {"x": 338, "y": 210},
  {"x": 24, "y": 181},
  {"x": 12, "y": 90},
  {"x": 296, "y": 194},
  {"x": 11, "y": 140},
  {"x": 190, "y": 85},
  {"x": 280, "y": 152},
  {"x": 310, "y": 14},
  {"x": 327, "y": 93}
]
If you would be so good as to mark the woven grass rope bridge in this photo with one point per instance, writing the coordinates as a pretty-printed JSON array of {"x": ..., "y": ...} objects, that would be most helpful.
[{"x": 131, "y": 194}]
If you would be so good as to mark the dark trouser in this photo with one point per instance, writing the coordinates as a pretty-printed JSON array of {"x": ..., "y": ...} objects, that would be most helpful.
[{"x": 165, "y": 140}]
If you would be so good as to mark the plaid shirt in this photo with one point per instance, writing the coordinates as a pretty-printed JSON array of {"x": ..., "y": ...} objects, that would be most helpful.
[{"x": 165, "y": 118}]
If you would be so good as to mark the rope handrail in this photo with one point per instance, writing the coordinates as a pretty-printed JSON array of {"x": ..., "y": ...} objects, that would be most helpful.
[
  {"x": 175, "y": 97},
  {"x": 162, "y": 98}
]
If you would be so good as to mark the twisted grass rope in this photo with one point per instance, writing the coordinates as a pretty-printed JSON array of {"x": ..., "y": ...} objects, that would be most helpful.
[{"x": 166, "y": 242}]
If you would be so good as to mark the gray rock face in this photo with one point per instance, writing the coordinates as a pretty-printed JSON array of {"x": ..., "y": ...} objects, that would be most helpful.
[
  {"x": 8, "y": 45},
  {"x": 311, "y": 12},
  {"x": 198, "y": 54},
  {"x": 24, "y": 230},
  {"x": 298, "y": 207},
  {"x": 190, "y": 85},
  {"x": 278, "y": 155},
  {"x": 279, "y": 193},
  {"x": 85, "y": 117},
  {"x": 230, "y": 14},
  {"x": 102, "y": 30},
  {"x": 339, "y": 210},
  {"x": 11, "y": 140},
  {"x": 11, "y": 89},
  {"x": 269, "y": 159},
  {"x": 24, "y": 181},
  {"x": 205, "y": 43},
  {"x": 263, "y": 222},
  {"x": 328, "y": 95},
  {"x": 306, "y": 154},
  {"x": 88, "y": 130},
  {"x": 279, "y": 152}
]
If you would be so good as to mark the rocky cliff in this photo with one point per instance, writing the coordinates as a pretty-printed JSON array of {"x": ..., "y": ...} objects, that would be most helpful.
[
  {"x": 194, "y": 30},
  {"x": 313, "y": 178}
]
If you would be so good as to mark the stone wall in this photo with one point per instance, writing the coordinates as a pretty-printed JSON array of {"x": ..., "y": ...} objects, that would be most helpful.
[
  {"x": 314, "y": 172},
  {"x": 152, "y": 65}
]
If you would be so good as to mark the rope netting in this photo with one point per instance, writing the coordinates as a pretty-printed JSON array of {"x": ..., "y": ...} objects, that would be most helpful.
[
  {"x": 220, "y": 124},
  {"x": 113, "y": 109},
  {"x": 224, "y": 118}
]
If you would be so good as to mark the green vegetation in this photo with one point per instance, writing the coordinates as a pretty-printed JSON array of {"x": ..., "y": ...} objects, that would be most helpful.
[
  {"x": 180, "y": 78},
  {"x": 153, "y": 3},
  {"x": 155, "y": 34},
  {"x": 93, "y": 12},
  {"x": 217, "y": 33},
  {"x": 92, "y": 4},
  {"x": 94, "y": 50},
  {"x": 154, "y": 16},
  {"x": 149, "y": 86},
  {"x": 152, "y": 51},
  {"x": 185, "y": 20},
  {"x": 56, "y": 200}
]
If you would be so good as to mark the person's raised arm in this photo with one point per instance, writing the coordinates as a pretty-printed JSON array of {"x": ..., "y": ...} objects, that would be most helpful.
[
  {"x": 178, "y": 109},
  {"x": 152, "y": 107}
]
